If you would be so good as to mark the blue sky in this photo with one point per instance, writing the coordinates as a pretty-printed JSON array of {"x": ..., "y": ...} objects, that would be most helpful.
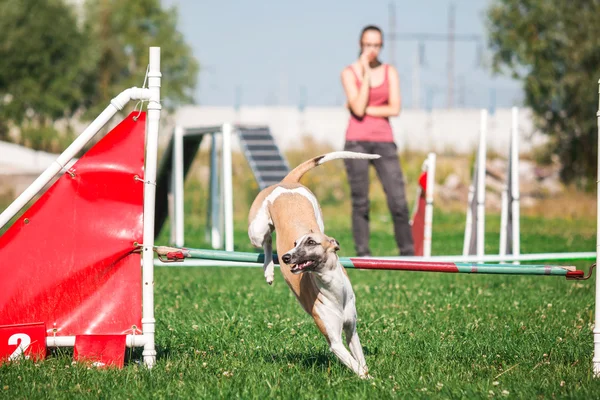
[{"x": 269, "y": 52}]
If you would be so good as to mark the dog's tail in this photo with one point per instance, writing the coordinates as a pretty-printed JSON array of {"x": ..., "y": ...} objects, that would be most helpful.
[{"x": 296, "y": 174}]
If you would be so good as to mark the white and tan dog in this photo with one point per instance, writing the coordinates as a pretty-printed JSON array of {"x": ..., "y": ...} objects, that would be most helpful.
[{"x": 308, "y": 258}]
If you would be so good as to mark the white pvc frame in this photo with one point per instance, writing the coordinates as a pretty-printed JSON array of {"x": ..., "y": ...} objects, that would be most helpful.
[
  {"x": 596, "y": 358},
  {"x": 152, "y": 95},
  {"x": 513, "y": 161},
  {"x": 225, "y": 179},
  {"x": 481, "y": 184},
  {"x": 427, "y": 233},
  {"x": 477, "y": 194}
]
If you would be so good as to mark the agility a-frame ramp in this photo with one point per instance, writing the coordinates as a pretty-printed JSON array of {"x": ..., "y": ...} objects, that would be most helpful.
[{"x": 70, "y": 263}]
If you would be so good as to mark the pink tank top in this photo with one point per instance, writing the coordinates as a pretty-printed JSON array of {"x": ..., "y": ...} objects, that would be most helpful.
[{"x": 368, "y": 128}]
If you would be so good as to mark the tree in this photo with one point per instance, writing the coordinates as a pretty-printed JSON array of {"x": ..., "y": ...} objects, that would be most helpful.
[
  {"x": 41, "y": 61},
  {"x": 122, "y": 32},
  {"x": 553, "y": 46}
]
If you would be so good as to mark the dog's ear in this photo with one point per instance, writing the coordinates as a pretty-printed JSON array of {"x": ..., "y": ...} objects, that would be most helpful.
[{"x": 334, "y": 243}]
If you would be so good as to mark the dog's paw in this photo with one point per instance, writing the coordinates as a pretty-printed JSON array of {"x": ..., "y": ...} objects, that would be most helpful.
[
  {"x": 269, "y": 278},
  {"x": 365, "y": 376},
  {"x": 364, "y": 373}
]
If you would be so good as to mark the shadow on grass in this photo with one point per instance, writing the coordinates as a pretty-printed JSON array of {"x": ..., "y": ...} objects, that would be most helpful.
[{"x": 319, "y": 359}]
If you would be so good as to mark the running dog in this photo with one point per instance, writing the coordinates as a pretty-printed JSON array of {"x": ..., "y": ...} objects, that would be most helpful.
[{"x": 308, "y": 258}]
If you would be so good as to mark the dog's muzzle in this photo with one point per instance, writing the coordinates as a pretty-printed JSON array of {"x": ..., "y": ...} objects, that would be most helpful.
[{"x": 297, "y": 266}]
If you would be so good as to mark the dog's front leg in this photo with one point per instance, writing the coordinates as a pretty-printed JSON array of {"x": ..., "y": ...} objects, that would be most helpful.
[
  {"x": 337, "y": 347},
  {"x": 332, "y": 326},
  {"x": 269, "y": 265},
  {"x": 355, "y": 347}
]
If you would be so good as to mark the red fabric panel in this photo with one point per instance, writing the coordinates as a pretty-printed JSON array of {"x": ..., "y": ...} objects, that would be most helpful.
[
  {"x": 68, "y": 260},
  {"x": 418, "y": 226},
  {"x": 100, "y": 350}
]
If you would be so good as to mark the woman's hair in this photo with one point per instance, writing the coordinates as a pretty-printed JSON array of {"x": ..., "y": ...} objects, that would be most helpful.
[{"x": 371, "y": 28}]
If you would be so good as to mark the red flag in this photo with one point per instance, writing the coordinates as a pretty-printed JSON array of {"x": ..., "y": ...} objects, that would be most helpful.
[
  {"x": 22, "y": 341},
  {"x": 100, "y": 351}
]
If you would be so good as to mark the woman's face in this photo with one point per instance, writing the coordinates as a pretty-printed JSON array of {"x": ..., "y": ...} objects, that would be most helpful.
[{"x": 371, "y": 43}]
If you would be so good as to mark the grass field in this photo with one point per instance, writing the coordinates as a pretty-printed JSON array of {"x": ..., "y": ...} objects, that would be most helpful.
[{"x": 224, "y": 333}]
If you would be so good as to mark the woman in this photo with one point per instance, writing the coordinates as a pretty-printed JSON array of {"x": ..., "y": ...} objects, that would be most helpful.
[{"x": 373, "y": 95}]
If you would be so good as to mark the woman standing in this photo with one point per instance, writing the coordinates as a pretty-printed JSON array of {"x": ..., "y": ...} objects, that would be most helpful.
[{"x": 373, "y": 95}]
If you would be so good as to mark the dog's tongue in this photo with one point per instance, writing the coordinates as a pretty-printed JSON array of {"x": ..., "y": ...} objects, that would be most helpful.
[{"x": 303, "y": 265}]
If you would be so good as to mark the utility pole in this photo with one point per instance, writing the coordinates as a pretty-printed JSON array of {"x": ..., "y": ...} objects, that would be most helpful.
[
  {"x": 392, "y": 30},
  {"x": 450, "y": 63},
  {"x": 450, "y": 38},
  {"x": 416, "y": 82}
]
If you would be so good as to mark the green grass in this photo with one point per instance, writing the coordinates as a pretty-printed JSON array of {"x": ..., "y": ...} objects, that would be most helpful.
[{"x": 224, "y": 333}]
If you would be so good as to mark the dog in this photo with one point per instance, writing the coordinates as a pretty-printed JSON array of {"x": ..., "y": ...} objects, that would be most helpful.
[{"x": 308, "y": 258}]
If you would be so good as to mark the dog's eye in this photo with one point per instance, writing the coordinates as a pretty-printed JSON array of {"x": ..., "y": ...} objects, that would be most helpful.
[
  {"x": 295, "y": 244},
  {"x": 311, "y": 242}
]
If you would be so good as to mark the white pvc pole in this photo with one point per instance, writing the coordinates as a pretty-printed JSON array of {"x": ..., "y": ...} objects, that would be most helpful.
[
  {"x": 469, "y": 222},
  {"x": 497, "y": 258},
  {"x": 481, "y": 185},
  {"x": 516, "y": 194},
  {"x": 503, "y": 222},
  {"x": 178, "y": 183},
  {"x": 596, "y": 358},
  {"x": 216, "y": 238},
  {"x": 69, "y": 341},
  {"x": 116, "y": 105},
  {"x": 429, "y": 204},
  {"x": 154, "y": 107},
  {"x": 228, "y": 186}
]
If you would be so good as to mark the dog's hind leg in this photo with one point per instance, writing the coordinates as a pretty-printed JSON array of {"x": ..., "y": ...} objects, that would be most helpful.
[
  {"x": 268, "y": 266},
  {"x": 260, "y": 231}
]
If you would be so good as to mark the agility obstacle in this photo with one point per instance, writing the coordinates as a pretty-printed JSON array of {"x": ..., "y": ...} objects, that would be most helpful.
[
  {"x": 422, "y": 218},
  {"x": 167, "y": 254},
  {"x": 510, "y": 231},
  {"x": 94, "y": 298},
  {"x": 71, "y": 262}
]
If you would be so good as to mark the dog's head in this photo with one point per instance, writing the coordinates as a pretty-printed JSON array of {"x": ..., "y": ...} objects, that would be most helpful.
[{"x": 312, "y": 252}]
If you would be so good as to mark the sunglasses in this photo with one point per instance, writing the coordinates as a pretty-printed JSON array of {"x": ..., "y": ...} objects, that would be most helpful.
[{"x": 374, "y": 45}]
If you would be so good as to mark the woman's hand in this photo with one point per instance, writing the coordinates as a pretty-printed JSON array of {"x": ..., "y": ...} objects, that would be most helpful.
[{"x": 364, "y": 61}]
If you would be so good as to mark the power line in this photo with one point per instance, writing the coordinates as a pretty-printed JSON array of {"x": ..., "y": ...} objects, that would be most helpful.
[{"x": 450, "y": 38}]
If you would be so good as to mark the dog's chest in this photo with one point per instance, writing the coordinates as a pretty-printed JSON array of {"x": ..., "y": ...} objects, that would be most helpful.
[{"x": 335, "y": 289}]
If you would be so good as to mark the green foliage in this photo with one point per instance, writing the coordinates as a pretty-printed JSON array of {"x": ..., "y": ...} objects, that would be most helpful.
[
  {"x": 122, "y": 32},
  {"x": 59, "y": 60},
  {"x": 42, "y": 60},
  {"x": 45, "y": 138},
  {"x": 553, "y": 46}
]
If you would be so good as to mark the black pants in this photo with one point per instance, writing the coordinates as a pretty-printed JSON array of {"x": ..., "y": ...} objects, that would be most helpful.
[{"x": 392, "y": 179}]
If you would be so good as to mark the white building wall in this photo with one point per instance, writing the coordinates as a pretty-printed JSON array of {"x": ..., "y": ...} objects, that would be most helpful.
[{"x": 441, "y": 131}]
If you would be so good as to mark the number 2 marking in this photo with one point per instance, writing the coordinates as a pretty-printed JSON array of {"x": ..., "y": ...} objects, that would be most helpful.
[{"x": 25, "y": 341}]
